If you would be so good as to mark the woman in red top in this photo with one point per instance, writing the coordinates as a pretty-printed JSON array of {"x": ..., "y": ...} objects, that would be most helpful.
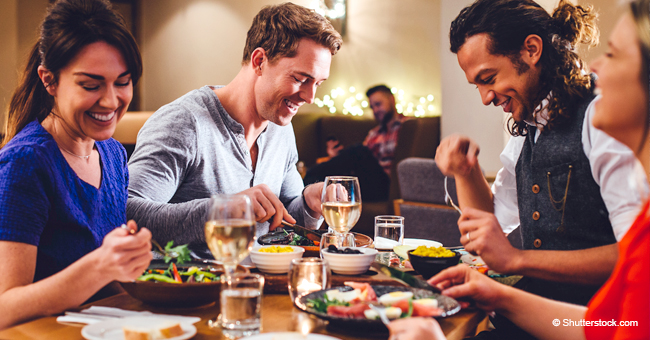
[{"x": 621, "y": 309}]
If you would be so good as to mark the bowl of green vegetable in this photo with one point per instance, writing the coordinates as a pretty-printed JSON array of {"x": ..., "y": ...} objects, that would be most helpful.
[{"x": 178, "y": 281}]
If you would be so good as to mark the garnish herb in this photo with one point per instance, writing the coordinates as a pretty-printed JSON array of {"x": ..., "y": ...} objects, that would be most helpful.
[{"x": 182, "y": 253}]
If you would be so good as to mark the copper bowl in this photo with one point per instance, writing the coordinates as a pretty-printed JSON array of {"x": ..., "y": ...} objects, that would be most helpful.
[{"x": 178, "y": 295}]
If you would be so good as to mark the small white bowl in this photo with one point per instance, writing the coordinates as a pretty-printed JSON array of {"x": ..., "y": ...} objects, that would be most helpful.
[
  {"x": 275, "y": 263},
  {"x": 350, "y": 264}
]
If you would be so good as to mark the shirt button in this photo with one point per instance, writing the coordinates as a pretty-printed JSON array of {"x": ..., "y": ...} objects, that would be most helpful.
[
  {"x": 535, "y": 188},
  {"x": 536, "y": 215},
  {"x": 537, "y": 243}
]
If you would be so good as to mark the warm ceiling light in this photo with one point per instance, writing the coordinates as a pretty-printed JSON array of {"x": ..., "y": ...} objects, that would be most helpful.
[{"x": 334, "y": 10}]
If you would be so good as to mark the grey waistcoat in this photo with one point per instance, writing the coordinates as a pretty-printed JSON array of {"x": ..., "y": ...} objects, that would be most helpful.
[{"x": 573, "y": 215}]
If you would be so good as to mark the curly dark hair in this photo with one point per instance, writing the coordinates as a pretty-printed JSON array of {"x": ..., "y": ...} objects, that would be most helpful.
[{"x": 509, "y": 22}]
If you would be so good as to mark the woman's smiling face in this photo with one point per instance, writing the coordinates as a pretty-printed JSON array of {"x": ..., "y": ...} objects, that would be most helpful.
[
  {"x": 622, "y": 110},
  {"x": 93, "y": 92}
]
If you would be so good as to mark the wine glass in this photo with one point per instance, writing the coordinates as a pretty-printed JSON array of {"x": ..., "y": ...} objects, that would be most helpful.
[
  {"x": 341, "y": 203},
  {"x": 230, "y": 230},
  {"x": 333, "y": 239}
]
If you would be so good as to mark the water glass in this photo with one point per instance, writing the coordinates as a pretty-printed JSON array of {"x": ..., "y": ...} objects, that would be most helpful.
[
  {"x": 306, "y": 275},
  {"x": 389, "y": 232},
  {"x": 241, "y": 305},
  {"x": 344, "y": 240}
]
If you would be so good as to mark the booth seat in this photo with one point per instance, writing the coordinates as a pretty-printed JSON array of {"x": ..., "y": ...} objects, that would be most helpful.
[{"x": 418, "y": 137}]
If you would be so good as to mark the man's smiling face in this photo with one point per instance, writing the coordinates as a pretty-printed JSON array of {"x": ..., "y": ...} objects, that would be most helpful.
[
  {"x": 513, "y": 86},
  {"x": 289, "y": 82}
]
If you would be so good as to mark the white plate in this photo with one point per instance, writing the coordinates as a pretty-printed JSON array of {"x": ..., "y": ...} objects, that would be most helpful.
[
  {"x": 112, "y": 329},
  {"x": 416, "y": 242},
  {"x": 289, "y": 336}
]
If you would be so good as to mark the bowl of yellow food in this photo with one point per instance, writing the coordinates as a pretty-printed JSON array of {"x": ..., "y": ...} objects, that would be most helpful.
[
  {"x": 429, "y": 261},
  {"x": 275, "y": 259}
]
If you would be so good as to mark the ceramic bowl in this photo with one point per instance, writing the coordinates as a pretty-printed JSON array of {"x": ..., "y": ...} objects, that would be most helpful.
[
  {"x": 275, "y": 263},
  {"x": 350, "y": 264},
  {"x": 360, "y": 240},
  {"x": 179, "y": 295},
  {"x": 430, "y": 266}
]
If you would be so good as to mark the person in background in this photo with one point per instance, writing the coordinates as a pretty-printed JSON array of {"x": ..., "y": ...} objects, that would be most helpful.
[
  {"x": 63, "y": 179},
  {"x": 370, "y": 162},
  {"x": 621, "y": 308},
  {"x": 236, "y": 138}
]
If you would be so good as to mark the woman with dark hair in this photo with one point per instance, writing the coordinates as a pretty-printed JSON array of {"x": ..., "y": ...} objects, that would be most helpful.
[
  {"x": 621, "y": 308},
  {"x": 63, "y": 180}
]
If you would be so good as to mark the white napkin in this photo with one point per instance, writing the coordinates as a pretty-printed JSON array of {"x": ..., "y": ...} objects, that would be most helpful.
[{"x": 96, "y": 314}]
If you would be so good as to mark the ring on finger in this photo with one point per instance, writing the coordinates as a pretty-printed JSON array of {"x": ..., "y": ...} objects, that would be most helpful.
[{"x": 469, "y": 239}]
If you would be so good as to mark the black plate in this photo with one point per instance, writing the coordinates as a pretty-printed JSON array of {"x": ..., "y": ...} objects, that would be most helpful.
[{"x": 448, "y": 305}]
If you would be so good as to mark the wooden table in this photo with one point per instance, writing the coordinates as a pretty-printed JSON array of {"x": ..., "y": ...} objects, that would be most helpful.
[{"x": 278, "y": 315}]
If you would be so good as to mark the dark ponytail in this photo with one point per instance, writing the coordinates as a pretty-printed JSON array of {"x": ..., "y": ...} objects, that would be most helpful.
[
  {"x": 29, "y": 101},
  {"x": 68, "y": 27}
]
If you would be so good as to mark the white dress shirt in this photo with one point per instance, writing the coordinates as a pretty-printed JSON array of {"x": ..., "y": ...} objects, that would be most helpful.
[{"x": 615, "y": 169}]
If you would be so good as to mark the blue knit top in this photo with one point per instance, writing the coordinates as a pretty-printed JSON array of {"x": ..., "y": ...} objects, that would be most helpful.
[{"x": 44, "y": 203}]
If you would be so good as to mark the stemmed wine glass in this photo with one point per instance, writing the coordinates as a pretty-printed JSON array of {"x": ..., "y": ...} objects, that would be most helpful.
[
  {"x": 341, "y": 203},
  {"x": 230, "y": 230}
]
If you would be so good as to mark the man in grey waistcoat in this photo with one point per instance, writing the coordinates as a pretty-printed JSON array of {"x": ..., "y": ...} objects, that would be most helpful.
[
  {"x": 236, "y": 138},
  {"x": 563, "y": 182}
]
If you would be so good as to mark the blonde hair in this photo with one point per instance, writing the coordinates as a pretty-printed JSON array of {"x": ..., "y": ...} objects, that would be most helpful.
[{"x": 640, "y": 10}]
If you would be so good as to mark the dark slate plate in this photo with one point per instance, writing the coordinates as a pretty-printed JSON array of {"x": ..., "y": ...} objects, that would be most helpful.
[{"x": 447, "y": 304}]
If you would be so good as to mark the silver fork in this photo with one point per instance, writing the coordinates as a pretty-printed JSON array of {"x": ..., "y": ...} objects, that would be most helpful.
[
  {"x": 162, "y": 251},
  {"x": 449, "y": 200},
  {"x": 381, "y": 311}
]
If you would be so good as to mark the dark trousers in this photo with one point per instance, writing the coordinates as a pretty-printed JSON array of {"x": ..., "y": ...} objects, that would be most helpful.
[{"x": 358, "y": 161}]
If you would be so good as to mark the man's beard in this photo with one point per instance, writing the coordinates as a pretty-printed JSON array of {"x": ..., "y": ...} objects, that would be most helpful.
[{"x": 386, "y": 119}]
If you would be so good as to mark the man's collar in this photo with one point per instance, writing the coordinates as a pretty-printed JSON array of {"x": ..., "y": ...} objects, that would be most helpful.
[{"x": 540, "y": 115}]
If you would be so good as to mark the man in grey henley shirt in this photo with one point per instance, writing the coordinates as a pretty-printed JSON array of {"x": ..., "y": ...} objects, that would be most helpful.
[{"x": 237, "y": 138}]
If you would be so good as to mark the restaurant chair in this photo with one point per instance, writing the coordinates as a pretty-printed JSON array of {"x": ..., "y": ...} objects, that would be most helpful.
[{"x": 426, "y": 214}]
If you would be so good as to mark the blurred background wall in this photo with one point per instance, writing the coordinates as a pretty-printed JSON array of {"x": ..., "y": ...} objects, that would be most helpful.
[{"x": 403, "y": 43}]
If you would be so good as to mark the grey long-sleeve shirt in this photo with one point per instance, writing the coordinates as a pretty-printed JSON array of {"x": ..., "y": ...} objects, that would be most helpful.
[{"x": 191, "y": 149}]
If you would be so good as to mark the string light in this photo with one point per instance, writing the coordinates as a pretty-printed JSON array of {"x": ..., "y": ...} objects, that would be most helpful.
[{"x": 353, "y": 103}]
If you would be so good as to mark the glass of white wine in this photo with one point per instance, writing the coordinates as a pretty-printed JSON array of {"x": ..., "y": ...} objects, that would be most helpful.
[
  {"x": 341, "y": 203},
  {"x": 230, "y": 230}
]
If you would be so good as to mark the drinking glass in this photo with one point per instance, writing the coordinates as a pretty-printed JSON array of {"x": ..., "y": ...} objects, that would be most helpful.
[
  {"x": 230, "y": 230},
  {"x": 306, "y": 275},
  {"x": 389, "y": 232},
  {"x": 341, "y": 203},
  {"x": 331, "y": 238},
  {"x": 241, "y": 305}
]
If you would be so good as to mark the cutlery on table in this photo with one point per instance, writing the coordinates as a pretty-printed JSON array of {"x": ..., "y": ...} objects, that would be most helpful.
[
  {"x": 309, "y": 234},
  {"x": 381, "y": 311}
]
